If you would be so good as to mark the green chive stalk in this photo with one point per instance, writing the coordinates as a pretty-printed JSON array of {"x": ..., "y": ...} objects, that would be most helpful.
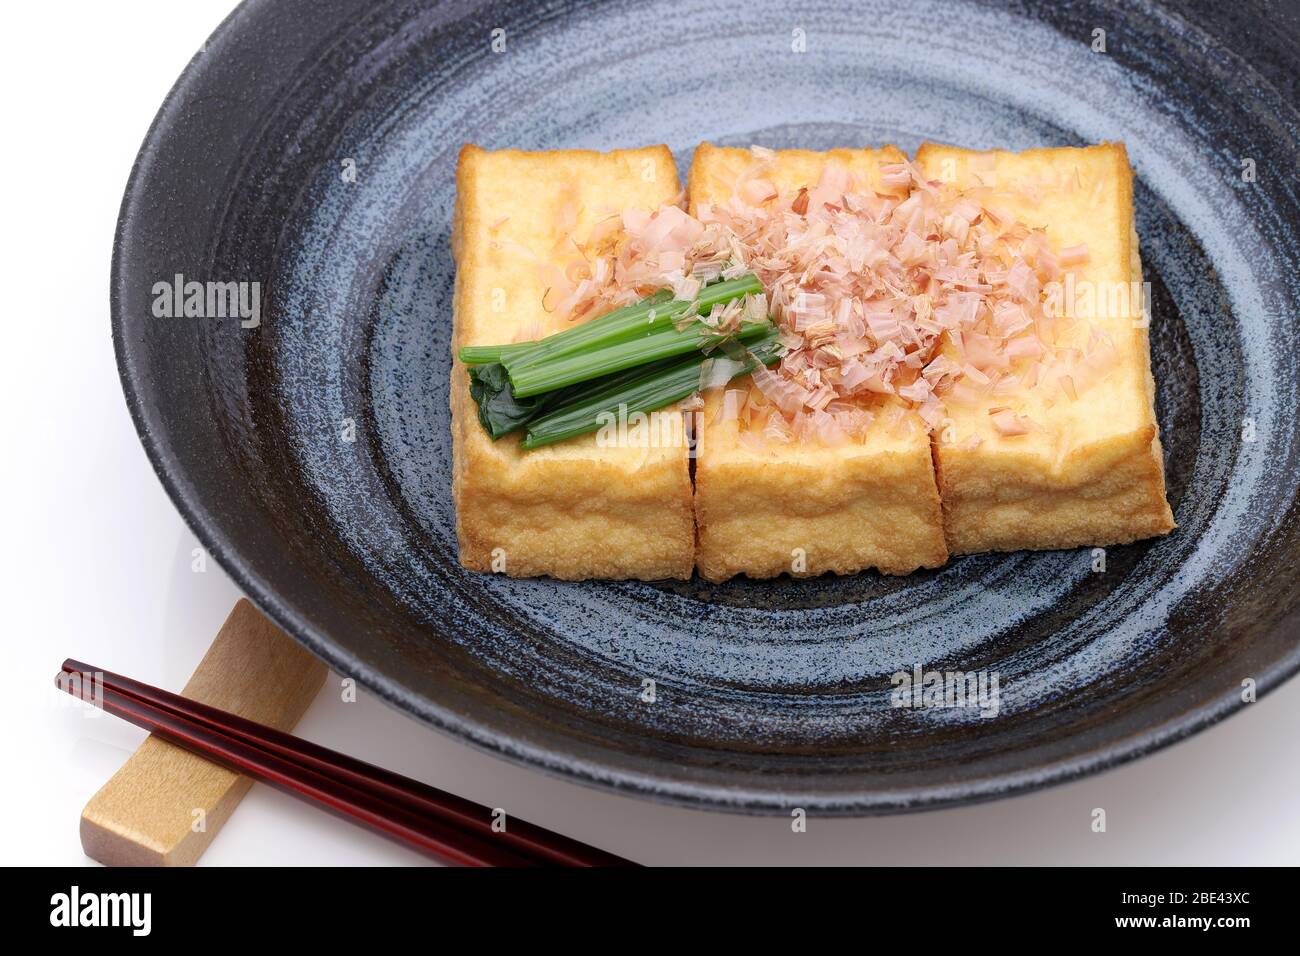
[
  {"x": 652, "y": 389},
  {"x": 501, "y": 412},
  {"x": 653, "y": 314},
  {"x": 536, "y": 379}
]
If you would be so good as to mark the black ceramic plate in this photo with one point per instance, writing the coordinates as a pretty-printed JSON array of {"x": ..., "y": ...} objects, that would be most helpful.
[{"x": 310, "y": 147}]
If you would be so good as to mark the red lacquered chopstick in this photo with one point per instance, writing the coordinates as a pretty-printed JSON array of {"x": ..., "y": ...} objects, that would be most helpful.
[
  {"x": 525, "y": 838},
  {"x": 439, "y": 823},
  {"x": 431, "y": 836}
]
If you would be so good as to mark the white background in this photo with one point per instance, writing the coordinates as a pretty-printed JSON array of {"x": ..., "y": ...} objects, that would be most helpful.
[{"x": 97, "y": 566}]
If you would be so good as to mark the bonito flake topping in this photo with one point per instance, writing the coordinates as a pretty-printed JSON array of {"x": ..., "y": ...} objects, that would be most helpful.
[{"x": 933, "y": 298}]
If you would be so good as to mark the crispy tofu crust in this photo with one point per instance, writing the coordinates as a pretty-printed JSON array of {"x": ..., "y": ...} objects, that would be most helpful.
[
  {"x": 807, "y": 509},
  {"x": 573, "y": 510},
  {"x": 1090, "y": 470}
]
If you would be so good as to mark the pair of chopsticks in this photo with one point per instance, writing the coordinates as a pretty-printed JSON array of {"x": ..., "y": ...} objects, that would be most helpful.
[{"x": 441, "y": 824}]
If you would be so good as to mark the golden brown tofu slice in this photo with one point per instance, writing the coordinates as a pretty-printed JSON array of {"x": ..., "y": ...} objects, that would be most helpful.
[
  {"x": 580, "y": 508},
  {"x": 1088, "y": 470},
  {"x": 807, "y": 508}
]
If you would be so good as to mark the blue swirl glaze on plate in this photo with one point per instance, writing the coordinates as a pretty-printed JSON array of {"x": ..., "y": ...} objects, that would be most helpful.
[{"x": 770, "y": 694}]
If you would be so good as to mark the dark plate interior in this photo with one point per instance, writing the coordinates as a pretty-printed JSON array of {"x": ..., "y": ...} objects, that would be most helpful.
[{"x": 770, "y": 694}]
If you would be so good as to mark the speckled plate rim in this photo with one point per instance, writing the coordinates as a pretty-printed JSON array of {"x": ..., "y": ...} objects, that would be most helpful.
[{"x": 685, "y": 794}]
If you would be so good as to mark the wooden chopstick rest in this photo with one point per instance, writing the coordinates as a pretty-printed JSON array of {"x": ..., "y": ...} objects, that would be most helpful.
[{"x": 164, "y": 806}]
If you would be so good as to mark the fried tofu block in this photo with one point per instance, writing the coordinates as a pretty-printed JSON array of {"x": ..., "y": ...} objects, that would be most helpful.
[
  {"x": 808, "y": 508},
  {"x": 575, "y": 509},
  {"x": 1089, "y": 469}
]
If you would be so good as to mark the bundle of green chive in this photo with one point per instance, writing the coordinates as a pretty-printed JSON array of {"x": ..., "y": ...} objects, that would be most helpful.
[{"x": 635, "y": 359}]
